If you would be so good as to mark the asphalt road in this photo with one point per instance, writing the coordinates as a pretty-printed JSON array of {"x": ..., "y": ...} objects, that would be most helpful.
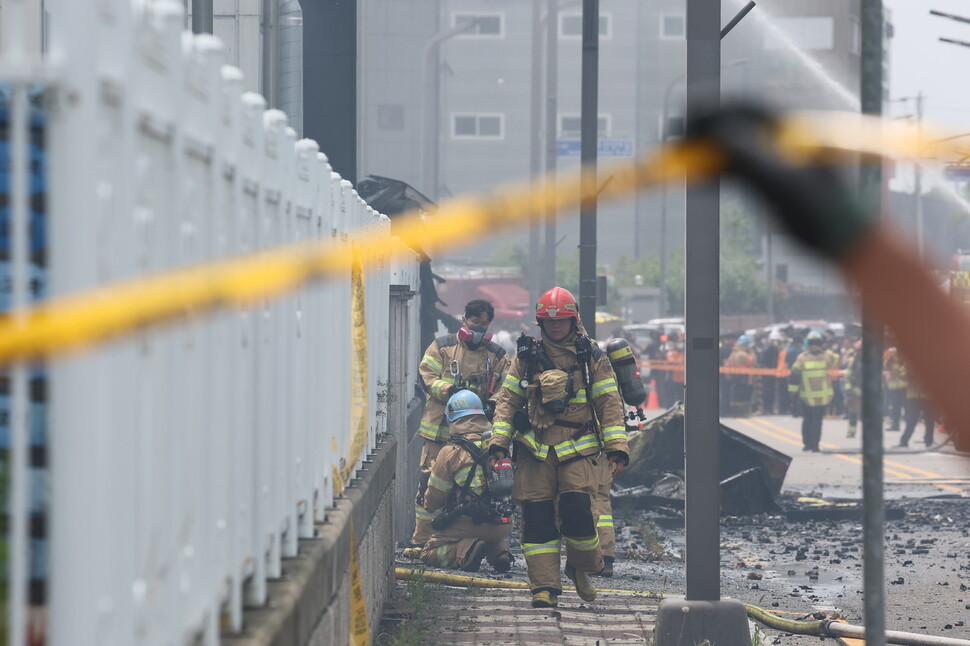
[{"x": 816, "y": 565}]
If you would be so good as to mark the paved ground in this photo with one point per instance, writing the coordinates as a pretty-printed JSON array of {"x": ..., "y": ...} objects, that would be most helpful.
[
  {"x": 494, "y": 617},
  {"x": 795, "y": 568}
]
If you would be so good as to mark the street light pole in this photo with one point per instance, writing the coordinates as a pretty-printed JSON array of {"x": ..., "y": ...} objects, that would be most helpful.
[
  {"x": 589, "y": 135},
  {"x": 918, "y": 179}
]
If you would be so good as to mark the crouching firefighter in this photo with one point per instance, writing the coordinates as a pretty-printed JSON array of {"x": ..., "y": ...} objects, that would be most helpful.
[
  {"x": 469, "y": 360},
  {"x": 559, "y": 404},
  {"x": 472, "y": 513}
]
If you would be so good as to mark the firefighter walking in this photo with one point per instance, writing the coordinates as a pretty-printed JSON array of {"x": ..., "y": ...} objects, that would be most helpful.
[
  {"x": 471, "y": 526},
  {"x": 560, "y": 405},
  {"x": 468, "y": 359},
  {"x": 811, "y": 380}
]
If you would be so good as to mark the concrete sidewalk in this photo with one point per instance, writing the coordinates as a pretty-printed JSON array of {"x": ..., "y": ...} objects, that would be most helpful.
[{"x": 486, "y": 617}]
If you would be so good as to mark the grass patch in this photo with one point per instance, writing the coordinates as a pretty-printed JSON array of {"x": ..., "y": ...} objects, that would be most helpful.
[
  {"x": 651, "y": 546},
  {"x": 412, "y": 621}
]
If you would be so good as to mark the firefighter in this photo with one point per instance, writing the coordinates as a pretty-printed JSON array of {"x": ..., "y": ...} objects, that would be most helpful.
[
  {"x": 459, "y": 477},
  {"x": 468, "y": 359},
  {"x": 810, "y": 379},
  {"x": 742, "y": 356},
  {"x": 853, "y": 387},
  {"x": 560, "y": 406},
  {"x": 896, "y": 386}
]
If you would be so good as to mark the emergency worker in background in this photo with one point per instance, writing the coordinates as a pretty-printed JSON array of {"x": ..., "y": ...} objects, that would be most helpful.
[
  {"x": 853, "y": 387},
  {"x": 896, "y": 385},
  {"x": 742, "y": 356},
  {"x": 460, "y": 477},
  {"x": 917, "y": 406},
  {"x": 468, "y": 359},
  {"x": 560, "y": 405},
  {"x": 811, "y": 381}
]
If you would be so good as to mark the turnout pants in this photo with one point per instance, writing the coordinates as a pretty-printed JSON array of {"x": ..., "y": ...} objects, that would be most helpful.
[
  {"x": 812, "y": 417},
  {"x": 422, "y": 517},
  {"x": 449, "y": 547},
  {"x": 557, "y": 503},
  {"x": 603, "y": 509}
]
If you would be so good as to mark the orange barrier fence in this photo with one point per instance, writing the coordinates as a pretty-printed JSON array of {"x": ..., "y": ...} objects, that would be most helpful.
[{"x": 651, "y": 364}]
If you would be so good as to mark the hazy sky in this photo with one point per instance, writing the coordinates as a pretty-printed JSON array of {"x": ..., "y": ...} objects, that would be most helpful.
[{"x": 920, "y": 62}]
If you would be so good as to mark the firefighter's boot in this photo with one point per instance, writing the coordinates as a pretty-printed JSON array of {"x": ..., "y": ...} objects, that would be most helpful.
[
  {"x": 502, "y": 562},
  {"x": 607, "y": 570},
  {"x": 473, "y": 558},
  {"x": 545, "y": 599},
  {"x": 584, "y": 587}
]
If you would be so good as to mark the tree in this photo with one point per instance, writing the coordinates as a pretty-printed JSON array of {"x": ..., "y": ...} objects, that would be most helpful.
[{"x": 742, "y": 286}]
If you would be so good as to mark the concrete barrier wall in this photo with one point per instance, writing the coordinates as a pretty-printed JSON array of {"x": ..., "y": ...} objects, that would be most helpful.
[{"x": 312, "y": 604}]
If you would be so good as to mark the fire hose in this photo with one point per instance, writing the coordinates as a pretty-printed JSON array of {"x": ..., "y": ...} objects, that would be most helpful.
[{"x": 820, "y": 627}]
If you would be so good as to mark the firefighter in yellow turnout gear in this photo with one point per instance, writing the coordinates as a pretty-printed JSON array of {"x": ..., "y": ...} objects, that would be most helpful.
[
  {"x": 811, "y": 380},
  {"x": 468, "y": 359},
  {"x": 560, "y": 405},
  {"x": 472, "y": 526}
]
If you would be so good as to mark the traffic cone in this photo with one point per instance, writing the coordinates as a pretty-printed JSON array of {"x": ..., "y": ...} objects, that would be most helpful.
[{"x": 652, "y": 402}]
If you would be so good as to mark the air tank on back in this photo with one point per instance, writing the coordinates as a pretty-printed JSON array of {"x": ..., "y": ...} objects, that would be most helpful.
[{"x": 627, "y": 372}]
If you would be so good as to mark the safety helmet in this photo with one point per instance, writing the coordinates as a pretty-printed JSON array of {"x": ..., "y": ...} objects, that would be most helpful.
[
  {"x": 557, "y": 303},
  {"x": 744, "y": 340},
  {"x": 462, "y": 404},
  {"x": 814, "y": 337}
]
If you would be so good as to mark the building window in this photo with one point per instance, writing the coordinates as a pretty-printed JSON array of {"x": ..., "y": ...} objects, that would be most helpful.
[
  {"x": 811, "y": 33},
  {"x": 672, "y": 26},
  {"x": 571, "y": 25},
  {"x": 570, "y": 125},
  {"x": 486, "y": 25},
  {"x": 390, "y": 117},
  {"x": 477, "y": 126}
]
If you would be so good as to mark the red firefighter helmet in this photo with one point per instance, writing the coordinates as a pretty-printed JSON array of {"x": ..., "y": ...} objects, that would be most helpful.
[{"x": 557, "y": 303}]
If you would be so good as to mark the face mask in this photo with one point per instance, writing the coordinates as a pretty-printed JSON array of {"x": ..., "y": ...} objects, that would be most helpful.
[{"x": 474, "y": 336}]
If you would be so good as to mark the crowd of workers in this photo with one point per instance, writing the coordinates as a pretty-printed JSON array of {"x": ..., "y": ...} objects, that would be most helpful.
[{"x": 761, "y": 375}]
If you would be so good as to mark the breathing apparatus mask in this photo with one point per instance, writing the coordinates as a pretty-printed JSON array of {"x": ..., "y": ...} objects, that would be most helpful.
[{"x": 474, "y": 336}]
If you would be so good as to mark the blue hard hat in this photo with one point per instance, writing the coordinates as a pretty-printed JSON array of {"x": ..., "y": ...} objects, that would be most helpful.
[
  {"x": 744, "y": 340},
  {"x": 462, "y": 404}
]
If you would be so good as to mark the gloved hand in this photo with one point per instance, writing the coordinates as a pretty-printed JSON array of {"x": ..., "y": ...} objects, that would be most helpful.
[
  {"x": 618, "y": 460},
  {"x": 813, "y": 202}
]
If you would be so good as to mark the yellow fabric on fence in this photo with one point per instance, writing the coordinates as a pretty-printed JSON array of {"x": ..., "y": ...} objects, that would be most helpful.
[{"x": 358, "y": 369}]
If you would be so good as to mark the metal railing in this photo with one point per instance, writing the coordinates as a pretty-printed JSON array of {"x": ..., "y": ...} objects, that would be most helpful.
[{"x": 185, "y": 461}]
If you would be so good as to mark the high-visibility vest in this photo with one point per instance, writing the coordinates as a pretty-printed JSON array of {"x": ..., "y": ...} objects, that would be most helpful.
[{"x": 816, "y": 384}]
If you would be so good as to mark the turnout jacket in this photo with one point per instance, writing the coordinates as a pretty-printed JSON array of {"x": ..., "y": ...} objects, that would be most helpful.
[
  {"x": 571, "y": 432},
  {"x": 452, "y": 466},
  {"x": 810, "y": 376},
  {"x": 481, "y": 371}
]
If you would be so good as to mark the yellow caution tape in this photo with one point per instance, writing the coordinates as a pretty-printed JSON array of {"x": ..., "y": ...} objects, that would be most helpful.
[
  {"x": 93, "y": 316},
  {"x": 359, "y": 627}
]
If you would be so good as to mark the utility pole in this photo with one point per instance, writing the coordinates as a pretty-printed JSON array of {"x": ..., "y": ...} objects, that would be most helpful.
[
  {"x": 201, "y": 16},
  {"x": 589, "y": 134},
  {"x": 874, "y": 513},
  {"x": 918, "y": 179},
  {"x": 535, "y": 149},
  {"x": 552, "y": 108},
  {"x": 270, "y": 72},
  {"x": 703, "y": 616},
  {"x": 330, "y": 81}
]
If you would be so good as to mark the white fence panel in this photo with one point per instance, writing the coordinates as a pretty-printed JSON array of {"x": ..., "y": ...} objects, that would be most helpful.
[{"x": 187, "y": 460}]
